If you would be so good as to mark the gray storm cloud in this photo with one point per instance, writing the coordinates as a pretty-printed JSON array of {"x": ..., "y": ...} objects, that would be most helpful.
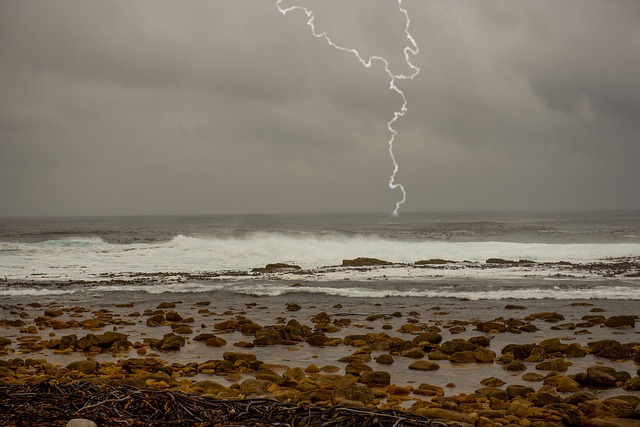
[{"x": 132, "y": 107}]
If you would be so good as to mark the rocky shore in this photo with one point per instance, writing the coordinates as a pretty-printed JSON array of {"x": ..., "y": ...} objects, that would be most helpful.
[{"x": 575, "y": 365}]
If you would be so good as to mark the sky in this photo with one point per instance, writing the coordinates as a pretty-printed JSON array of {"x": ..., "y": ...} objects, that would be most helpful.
[{"x": 207, "y": 106}]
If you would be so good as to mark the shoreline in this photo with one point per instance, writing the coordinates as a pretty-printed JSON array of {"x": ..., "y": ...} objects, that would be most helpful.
[{"x": 301, "y": 348}]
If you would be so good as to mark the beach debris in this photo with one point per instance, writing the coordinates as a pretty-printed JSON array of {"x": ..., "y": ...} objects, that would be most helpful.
[{"x": 83, "y": 404}]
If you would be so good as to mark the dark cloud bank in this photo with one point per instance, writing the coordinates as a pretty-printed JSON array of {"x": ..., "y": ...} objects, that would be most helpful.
[{"x": 136, "y": 107}]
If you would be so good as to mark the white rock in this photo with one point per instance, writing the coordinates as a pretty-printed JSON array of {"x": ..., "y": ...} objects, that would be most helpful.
[{"x": 81, "y": 422}]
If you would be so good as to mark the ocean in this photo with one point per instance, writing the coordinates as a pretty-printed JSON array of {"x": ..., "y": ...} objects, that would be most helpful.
[{"x": 536, "y": 255}]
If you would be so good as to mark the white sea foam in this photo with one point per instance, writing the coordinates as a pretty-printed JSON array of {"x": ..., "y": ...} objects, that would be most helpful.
[{"x": 88, "y": 258}]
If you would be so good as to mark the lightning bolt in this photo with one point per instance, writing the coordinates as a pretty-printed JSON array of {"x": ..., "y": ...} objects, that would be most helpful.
[{"x": 409, "y": 51}]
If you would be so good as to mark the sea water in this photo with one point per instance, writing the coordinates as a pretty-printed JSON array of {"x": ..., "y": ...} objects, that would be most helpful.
[{"x": 217, "y": 253}]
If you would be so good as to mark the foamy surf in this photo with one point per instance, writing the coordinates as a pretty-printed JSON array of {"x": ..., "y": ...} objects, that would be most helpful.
[{"x": 82, "y": 258}]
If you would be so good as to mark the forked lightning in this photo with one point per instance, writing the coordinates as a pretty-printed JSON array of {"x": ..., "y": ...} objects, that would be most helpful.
[{"x": 409, "y": 51}]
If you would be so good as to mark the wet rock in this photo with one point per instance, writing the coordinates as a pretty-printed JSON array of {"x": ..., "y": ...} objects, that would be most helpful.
[
  {"x": 545, "y": 396},
  {"x": 156, "y": 320},
  {"x": 317, "y": 339},
  {"x": 519, "y": 390},
  {"x": 562, "y": 383},
  {"x": 375, "y": 378},
  {"x": 364, "y": 262},
  {"x": 86, "y": 366},
  {"x": 514, "y": 366},
  {"x": 558, "y": 365},
  {"x": 621, "y": 321},
  {"x": 427, "y": 338},
  {"x": 601, "y": 376},
  {"x": 571, "y": 416},
  {"x": 484, "y": 355},
  {"x": 356, "y": 368},
  {"x": 547, "y": 316},
  {"x": 424, "y": 365},
  {"x": 385, "y": 359},
  {"x": 456, "y": 345},
  {"x": 492, "y": 382},
  {"x": 448, "y": 415},
  {"x": 494, "y": 393},
  {"x": 215, "y": 342},
  {"x": 612, "y": 422},
  {"x": 4, "y": 341},
  {"x": 234, "y": 357},
  {"x": 463, "y": 357},
  {"x": 632, "y": 384},
  {"x": 170, "y": 342},
  {"x": 354, "y": 393},
  {"x": 519, "y": 351},
  {"x": 553, "y": 345},
  {"x": 491, "y": 327},
  {"x": 537, "y": 355},
  {"x": 414, "y": 353},
  {"x": 293, "y": 307},
  {"x": 227, "y": 325},
  {"x": 276, "y": 267},
  {"x": 610, "y": 349}
]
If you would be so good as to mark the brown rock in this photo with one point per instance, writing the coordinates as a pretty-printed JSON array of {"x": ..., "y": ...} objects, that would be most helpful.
[
  {"x": 375, "y": 378},
  {"x": 385, "y": 359},
  {"x": 424, "y": 365},
  {"x": 414, "y": 353},
  {"x": 621, "y": 321},
  {"x": 463, "y": 357},
  {"x": 86, "y": 366},
  {"x": 492, "y": 382},
  {"x": 364, "y": 262}
]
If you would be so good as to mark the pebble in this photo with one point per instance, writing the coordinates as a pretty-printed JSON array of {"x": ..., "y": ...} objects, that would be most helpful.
[{"x": 81, "y": 422}]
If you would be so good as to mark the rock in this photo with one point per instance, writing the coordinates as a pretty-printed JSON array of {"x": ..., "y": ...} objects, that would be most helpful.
[
  {"x": 81, "y": 422},
  {"x": 484, "y": 355},
  {"x": 357, "y": 369},
  {"x": 494, "y": 393},
  {"x": 414, "y": 353},
  {"x": 562, "y": 384},
  {"x": 492, "y": 382},
  {"x": 364, "y": 262},
  {"x": 552, "y": 345},
  {"x": 579, "y": 397},
  {"x": 156, "y": 320},
  {"x": 571, "y": 416},
  {"x": 601, "y": 376},
  {"x": 491, "y": 327},
  {"x": 210, "y": 387},
  {"x": 317, "y": 339},
  {"x": 537, "y": 355},
  {"x": 4, "y": 341},
  {"x": 268, "y": 336},
  {"x": 385, "y": 359},
  {"x": 276, "y": 267},
  {"x": 86, "y": 366},
  {"x": 545, "y": 396},
  {"x": 227, "y": 325},
  {"x": 456, "y": 345},
  {"x": 375, "y": 378},
  {"x": 354, "y": 393},
  {"x": 424, "y": 365},
  {"x": 632, "y": 384},
  {"x": 519, "y": 390},
  {"x": 233, "y": 357},
  {"x": 621, "y": 321},
  {"x": 610, "y": 349},
  {"x": 612, "y": 422},
  {"x": 516, "y": 365},
  {"x": 170, "y": 342},
  {"x": 519, "y": 351},
  {"x": 558, "y": 365},
  {"x": 463, "y": 357},
  {"x": 448, "y": 415},
  {"x": 532, "y": 377},
  {"x": 293, "y": 307},
  {"x": 548, "y": 316},
  {"x": 427, "y": 337},
  {"x": 182, "y": 329},
  {"x": 215, "y": 342}
]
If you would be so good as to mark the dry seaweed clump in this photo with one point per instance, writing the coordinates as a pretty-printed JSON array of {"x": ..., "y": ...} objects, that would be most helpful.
[{"x": 55, "y": 405}]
